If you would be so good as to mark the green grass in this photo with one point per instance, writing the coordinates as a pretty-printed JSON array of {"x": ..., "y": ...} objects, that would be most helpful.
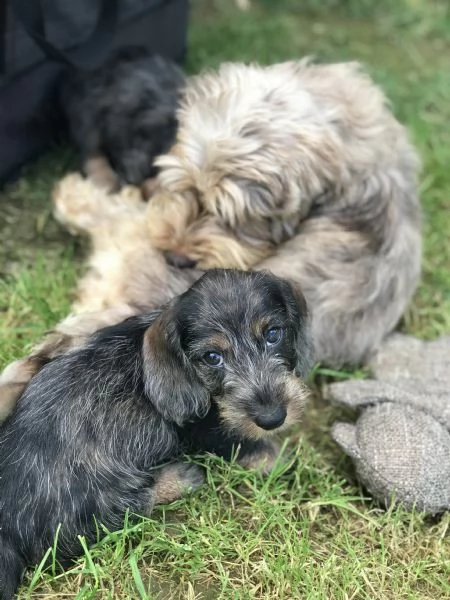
[
  {"x": 310, "y": 532},
  {"x": 302, "y": 533}
]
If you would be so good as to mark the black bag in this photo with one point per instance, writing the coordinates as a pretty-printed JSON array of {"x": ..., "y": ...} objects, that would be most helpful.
[{"x": 39, "y": 39}]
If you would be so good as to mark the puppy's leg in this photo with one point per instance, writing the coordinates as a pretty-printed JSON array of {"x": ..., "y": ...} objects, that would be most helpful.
[
  {"x": 176, "y": 480},
  {"x": 100, "y": 172},
  {"x": 82, "y": 207},
  {"x": 260, "y": 455}
]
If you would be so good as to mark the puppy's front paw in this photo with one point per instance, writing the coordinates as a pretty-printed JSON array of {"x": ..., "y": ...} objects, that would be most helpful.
[
  {"x": 262, "y": 458},
  {"x": 177, "y": 480},
  {"x": 82, "y": 207}
]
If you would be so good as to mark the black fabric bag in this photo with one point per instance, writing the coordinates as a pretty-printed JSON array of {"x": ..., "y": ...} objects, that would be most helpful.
[{"x": 39, "y": 39}]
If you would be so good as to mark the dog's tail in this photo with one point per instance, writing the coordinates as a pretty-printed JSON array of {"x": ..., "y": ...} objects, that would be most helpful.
[{"x": 11, "y": 569}]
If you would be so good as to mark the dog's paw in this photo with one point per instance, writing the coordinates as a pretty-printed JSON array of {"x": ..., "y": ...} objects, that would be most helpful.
[
  {"x": 82, "y": 207},
  {"x": 192, "y": 477},
  {"x": 262, "y": 459},
  {"x": 177, "y": 480},
  {"x": 167, "y": 217},
  {"x": 75, "y": 202}
]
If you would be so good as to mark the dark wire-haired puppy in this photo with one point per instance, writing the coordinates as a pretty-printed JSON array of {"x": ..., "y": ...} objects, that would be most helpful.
[
  {"x": 122, "y": 115},
  {"x": 219, "y": 367}
]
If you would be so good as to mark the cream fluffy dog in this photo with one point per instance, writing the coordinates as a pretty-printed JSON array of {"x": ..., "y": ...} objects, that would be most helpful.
[{"x": 297, "y": 168}]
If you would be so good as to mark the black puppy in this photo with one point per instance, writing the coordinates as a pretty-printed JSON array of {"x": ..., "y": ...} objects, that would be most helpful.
[
  {"x": 219, "y": 366},
  {"x": 122, "y": 115}
]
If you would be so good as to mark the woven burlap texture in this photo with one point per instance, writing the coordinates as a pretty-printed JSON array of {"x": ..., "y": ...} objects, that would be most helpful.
[{"x": 400, "y": 443}]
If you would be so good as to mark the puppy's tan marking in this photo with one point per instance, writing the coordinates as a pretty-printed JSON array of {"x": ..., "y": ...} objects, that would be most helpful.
[
  {"x": 218, "y": 342},
  {"x": 259, "y": 326},
  {"x": 295, "y": 394},
  {"x": 239, "y": 421},
  {"x": 177, "y": 480},
  {"x": 263, "y": 460}
]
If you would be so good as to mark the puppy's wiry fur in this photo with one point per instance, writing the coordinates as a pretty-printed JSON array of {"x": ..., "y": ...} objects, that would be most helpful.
[
  {"x": 218, "y": 369},
  {"x": 122, "y": 115}
]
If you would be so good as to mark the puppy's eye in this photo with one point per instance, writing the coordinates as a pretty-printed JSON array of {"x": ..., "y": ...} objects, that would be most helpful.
[
  {"x": 213, "y": 359},
  {"x": 273, "y": 335}
]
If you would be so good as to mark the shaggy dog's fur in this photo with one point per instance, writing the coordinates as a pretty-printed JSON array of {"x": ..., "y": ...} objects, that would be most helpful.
[
  {"x": 262, "y": 150},
  {"x": 300, "y": 163},
  {"x": 219, "y": 368},
  {"x": 122, "y": 115}
]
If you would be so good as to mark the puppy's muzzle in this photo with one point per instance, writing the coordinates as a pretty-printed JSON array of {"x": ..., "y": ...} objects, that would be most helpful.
[
  {"x": 272, "y": 419},
  {"x": 267, "y": 399}
]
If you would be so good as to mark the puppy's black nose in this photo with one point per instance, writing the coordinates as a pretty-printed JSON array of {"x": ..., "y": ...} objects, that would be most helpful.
[
  {"x": 271, "y": 420},
  {"x": 180, "y": 261}
]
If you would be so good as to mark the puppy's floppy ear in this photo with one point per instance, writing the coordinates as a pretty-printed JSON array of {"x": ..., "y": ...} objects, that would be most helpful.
[
  {"x": 300, "y": 321},
  {"x": 169, "y": 379}
]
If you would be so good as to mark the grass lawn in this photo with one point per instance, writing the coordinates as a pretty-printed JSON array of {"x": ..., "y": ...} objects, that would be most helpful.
[{"x": 308, "y": 532}]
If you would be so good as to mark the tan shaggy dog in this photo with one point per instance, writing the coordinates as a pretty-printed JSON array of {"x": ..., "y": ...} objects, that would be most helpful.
[
  {"x": 261, "y": 149},
  {"x": 297, "y": 168}
]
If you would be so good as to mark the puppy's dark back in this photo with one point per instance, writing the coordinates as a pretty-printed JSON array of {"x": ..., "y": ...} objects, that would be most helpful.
[{"x": 79, "y": 432}]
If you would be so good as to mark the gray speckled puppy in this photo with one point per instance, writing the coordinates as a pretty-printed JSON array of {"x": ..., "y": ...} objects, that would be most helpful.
[
  {"x": 122, "y": 115},
  {"x": 401, "y": 442}
]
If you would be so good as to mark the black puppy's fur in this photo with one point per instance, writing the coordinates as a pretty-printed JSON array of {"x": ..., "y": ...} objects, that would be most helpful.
[
  {"x": 92, "y": 426},
  {"x": 122, "y": 115}
]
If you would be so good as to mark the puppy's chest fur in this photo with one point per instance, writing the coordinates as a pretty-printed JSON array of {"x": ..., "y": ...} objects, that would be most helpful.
[{"x": 208, "y": 435}]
